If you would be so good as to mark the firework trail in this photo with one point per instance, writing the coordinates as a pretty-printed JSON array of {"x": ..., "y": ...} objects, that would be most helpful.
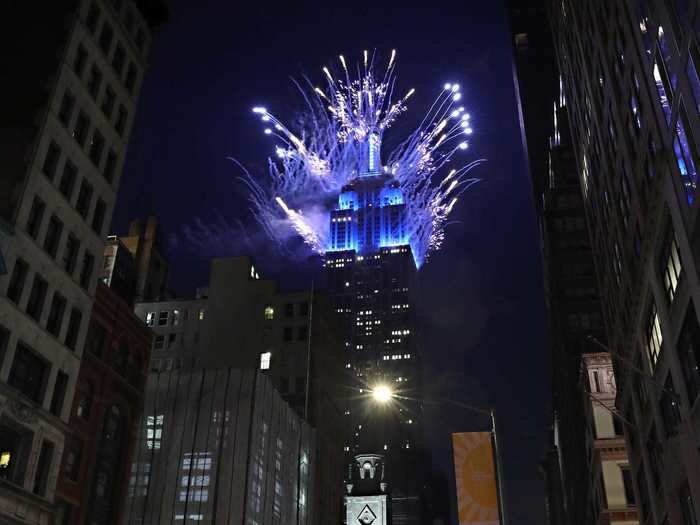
[{"x": 327, "y": 148}]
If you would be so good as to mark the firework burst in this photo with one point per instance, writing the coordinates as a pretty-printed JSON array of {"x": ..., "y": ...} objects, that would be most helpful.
[{"x": 327, "y": 148}]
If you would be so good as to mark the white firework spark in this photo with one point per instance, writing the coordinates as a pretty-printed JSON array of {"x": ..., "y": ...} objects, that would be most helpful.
[{"x": 327, "y": 147}]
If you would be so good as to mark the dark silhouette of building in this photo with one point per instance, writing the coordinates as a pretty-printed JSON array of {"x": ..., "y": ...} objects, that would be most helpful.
[
  {"x": 144, "y": 243},
  {"x": 67, "y": 111},
  {"x": 583, "y": 479},
  {"x": 371, "y": 276}
]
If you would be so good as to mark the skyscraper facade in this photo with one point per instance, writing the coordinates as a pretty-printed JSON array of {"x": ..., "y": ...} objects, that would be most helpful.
[
  {"x": 371, "y": 276},
  {"x": 630, "y": 81},
  {"x": 67, "y": 113}
]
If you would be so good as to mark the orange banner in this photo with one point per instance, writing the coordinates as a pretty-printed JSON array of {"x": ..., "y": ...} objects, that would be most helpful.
[{"x": 475, "y": 475}]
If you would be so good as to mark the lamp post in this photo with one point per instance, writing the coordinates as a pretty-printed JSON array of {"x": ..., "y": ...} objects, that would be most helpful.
[{"x": 383, "y": 393}]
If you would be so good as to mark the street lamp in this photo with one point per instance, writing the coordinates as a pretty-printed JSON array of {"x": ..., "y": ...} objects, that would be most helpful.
[{"x": 382, "y": 393}]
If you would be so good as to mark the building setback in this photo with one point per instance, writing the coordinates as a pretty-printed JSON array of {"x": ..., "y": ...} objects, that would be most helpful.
[
  {"x": 221, "y": 446},
  {"x": 242, "y": 321},
  {"x": 630, "y": 82},
  {"x": 77, "y": 69}
]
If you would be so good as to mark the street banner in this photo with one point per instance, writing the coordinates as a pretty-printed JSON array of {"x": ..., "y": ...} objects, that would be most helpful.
[{"x": 475, "y": 476}]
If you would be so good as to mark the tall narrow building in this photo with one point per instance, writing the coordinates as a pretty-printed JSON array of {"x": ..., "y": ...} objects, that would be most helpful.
[
  {"x": 630, "y": 77},
  {"x": 67, "y": 111},
  {"x": 372, "y": 279}
]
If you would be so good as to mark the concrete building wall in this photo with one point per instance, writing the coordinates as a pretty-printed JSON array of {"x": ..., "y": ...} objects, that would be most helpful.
[{"x": 220, "y": 446}]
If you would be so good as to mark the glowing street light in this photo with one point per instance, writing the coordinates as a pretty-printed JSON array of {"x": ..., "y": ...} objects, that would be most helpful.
[{"x": 382, "y": 393}]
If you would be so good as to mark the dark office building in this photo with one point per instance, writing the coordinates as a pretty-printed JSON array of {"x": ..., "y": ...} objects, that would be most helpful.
[
  {"x": 372, "y": 280},
  {"x": 631, "y": 89}
]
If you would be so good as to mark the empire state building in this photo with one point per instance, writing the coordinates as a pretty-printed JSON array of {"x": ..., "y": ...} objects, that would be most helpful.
[{"x": 371, "y": 275}]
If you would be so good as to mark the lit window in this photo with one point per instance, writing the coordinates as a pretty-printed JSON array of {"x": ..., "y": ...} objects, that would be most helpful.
[
  {"x": 661, "y": 82},
  {"x": 654, "y": 337},
  {"x": 176, "y": 317},
  {"x": 154, "y": 431},
  {"x": 265, "y": 360},
  {"x": 670, "y": 265},
  {"x": 269, "y": 313},
  {"x": 686, "y": 157},
  {"x": 150, "y": 318},
  {"x": 200, "y": 315}
]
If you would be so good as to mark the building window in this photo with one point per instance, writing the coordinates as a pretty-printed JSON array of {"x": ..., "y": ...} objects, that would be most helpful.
[
  {"x": 302, "y": 333},
  {"x": 98, "y": 216},
  {"x": 17, "y": 280},
  {"x": 53, "y": 236},
  {"x": 287, "y": 334},
  {"x": 120, "y": 124},
  {"x": 669, "y": 405},
  {"x": 171, "y": 340},
  {"x": 71, "y": 458},
  {"x": 14, "y": 452},
  {"x": 300, "y": 385},
  {"x": 654, "y": 337},
  {"x": 159, "y": 342},
  {"x": 82, "y": 124},
  {"x": 67, "y": 184},
  {"x": 96, "y": 339},
  {"x": 130, "y": 81},
  {"x": 94, "y": 81},
  {"x": 627, "y": 483},
  {"x": 106, "y": 36},
  {"x": 37, "y": 296},
  {"x": 154, "y": 432},
  {"x": 59, "y": 393},
  {"x": 176, "y": 317},
  {"x": 265, "y": 360},
  {"x": 119, "y": 59},
  {"x": 110, "y": 166},
  {"x": 150, "y": 318},
  {"x": 289, "y": 310},
  {"x": 55, "y": 320},
  {"x": 36, "y": 215},
  {"x": 84, "y": 405},
  {"x": 304, "y": 308},
  {"x": 108, "y": 461},
  {"x": 108, "y": 100},
  {"x": 86, "y": 270},
  {"x": 670, "y": 265},
  {"x": 687, "y": 507},
  {"x": 686, "y": 157},
  {"x": 692, "y": 72},
  {"x": 70, "y": 254},
  {"x": 43, "y": 464},
  {"x": 120, "y": 358},
  {"x": 53, "y": 153},
  {"x": 80, "y": 60},
  {"x": 269, "y": 313},
  {"x": 28, "y": 373},
  {"x": 93, "y": 16},
  {"x": 163, "y": 318},
  {"x": 661, "y": 81},
  {"x": 4, "y": 342},
  {"x": 82, "y": 205},
  {"x": 689, "y": 353},
  {"x": 201, "y": 314},
  {"x": 73, "y": 328},
  {"x": 65, "y": 111},
  {"x": 96, "y": 148}
]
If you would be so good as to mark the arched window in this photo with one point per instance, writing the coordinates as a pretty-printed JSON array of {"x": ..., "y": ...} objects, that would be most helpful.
[
  {"x": 108, "y": 466},
  {"x": 84, "y": 406}
]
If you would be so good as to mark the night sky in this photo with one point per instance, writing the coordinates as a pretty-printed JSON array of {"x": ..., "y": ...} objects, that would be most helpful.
[{"x": 482, "y": 305}]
